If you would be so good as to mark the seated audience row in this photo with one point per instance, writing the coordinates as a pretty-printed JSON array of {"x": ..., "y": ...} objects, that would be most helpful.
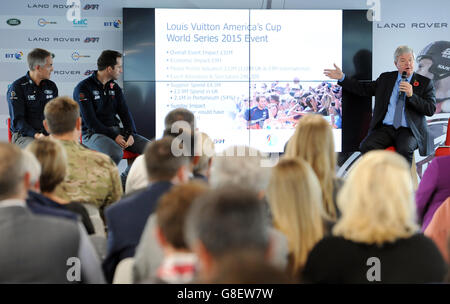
[{"x": 192, "y": 216}]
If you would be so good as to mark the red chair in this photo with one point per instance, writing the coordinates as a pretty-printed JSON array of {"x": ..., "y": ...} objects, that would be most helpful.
[
  {"x": 444, "y": 150},
  {"x": 129, "y": 156},
  {"x": 8, "y": 123}
]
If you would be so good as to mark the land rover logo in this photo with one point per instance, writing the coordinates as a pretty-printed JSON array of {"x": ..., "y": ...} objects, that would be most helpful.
[{"x": 13, "y": 21}]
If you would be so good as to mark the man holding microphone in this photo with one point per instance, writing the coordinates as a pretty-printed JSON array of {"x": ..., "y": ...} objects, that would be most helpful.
[{"x": 402, "y": 100}]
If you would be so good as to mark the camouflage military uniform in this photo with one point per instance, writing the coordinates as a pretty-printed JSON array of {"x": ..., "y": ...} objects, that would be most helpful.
[{"x": 92, "y": 177}]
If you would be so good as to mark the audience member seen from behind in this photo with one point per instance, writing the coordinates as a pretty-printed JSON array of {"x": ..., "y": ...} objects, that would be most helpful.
[
  {"x": 204, "y": 152},
  {"x": 225, "y": 221},
  {"x": 149, "y": 253},
  {"x": 434, "y": 188},
  {"x": 137, "y": 177},
  {"x": 37, "y": 202},
  {"x": 126, "y": 219},
  {"x": 52, "y": 158},
  {"x": 179, "y": 264},
  {"x": 92, "y": 177},
  {"x": 295, "y": 199},
  {"x": 313, "y": 141},
  {"x": 246, "y": 167},
  {"x": 37, "y": 249},
  {"x": 248, "y": 267},
  {"x": 376, "y": 239}
]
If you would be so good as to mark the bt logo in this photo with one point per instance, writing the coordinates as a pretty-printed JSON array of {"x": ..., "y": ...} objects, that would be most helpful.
[
  {"x": 16, "y": 55},
  {"x": 115, "y": 23}
]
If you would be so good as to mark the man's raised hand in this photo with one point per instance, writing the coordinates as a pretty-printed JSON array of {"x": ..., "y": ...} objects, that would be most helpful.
[{"x": 335, "y": 73}]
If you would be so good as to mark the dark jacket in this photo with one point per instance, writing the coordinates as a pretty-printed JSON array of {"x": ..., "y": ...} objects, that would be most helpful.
[
  {"x": 26, "y": 102},
  {"x": 99, "y": 105},
  {"x": 422, "y": 103},
  {"x": 126, "y": 220}
]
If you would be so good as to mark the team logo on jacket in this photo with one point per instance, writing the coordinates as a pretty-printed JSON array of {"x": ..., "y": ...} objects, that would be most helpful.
[
  {"x": 31, "y": 97},
  {"x": 48, "y": 92}
]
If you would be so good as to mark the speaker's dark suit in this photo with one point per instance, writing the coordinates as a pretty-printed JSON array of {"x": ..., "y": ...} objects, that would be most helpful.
[{"x": 422, "y": 103}]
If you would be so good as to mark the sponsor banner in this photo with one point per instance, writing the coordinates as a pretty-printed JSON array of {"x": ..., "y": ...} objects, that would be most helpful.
[
  {"x": 47, "y": 22},
  {"x": 64, "y": 72},
  {"x": 59, "y": 7},
  {"x": 61, "y": 56},
  {"x": 87, "y": 40}
]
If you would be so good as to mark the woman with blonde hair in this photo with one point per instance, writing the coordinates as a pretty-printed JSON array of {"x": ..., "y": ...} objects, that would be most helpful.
[
  {"x": 295, "y": 200},
  {"x": 313, "y": 141},
  {"x": 377, "y": 238},
  {"x": 53, "y": 160}
]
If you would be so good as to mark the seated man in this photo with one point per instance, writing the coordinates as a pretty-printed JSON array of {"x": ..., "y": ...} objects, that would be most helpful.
[
  {"x": 224, "y": 221},
  {"x": 101, "y": 99},
  {"x": 27, "y": 97},
  {"x": 402, "y": 100},
  {"x": 92, "y": 177},
  {"x": 126, "y": 219},
  {"x": 179, "y": 264},
  {"x": 38, "y": 249}
]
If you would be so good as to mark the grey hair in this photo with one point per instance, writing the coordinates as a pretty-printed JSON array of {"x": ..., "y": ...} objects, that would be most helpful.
[
  {"x": 239, "y": 165},
  {"x": 403, "y": 49},
  {"x": 177, "y": 115},
  {"x": 204, "y": 147},
  {"x": 32, "y": 166},
  {"x": 37, "y": 57},
  {"x": 226, "y": 220}
]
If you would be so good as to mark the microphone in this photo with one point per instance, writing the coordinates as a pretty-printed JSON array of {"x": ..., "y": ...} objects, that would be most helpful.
[{"x": 402, "y": 94}]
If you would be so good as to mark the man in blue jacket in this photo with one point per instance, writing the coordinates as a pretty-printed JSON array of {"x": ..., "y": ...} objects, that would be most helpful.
[
  {"x": 27, "y": 97},
  {"x": 101, "y": 99},
  {"x": 126, "y": 219}
]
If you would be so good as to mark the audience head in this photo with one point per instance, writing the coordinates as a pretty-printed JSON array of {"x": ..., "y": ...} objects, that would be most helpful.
[
  {"x": 295, "y": 199},
  {"x": 163, "y": 165},
  {"x": 171, "y": 213},
  {"x": 226, "y": 220},
  {"x": 205, "y": 147},
  {"x": 179, "y": 114},
  {"x": 33, "y": 167},
  {"x": 13, "y": 176},
  {"x": 53, "y": 160},
  {"x": 62, "y": 115},
  {"x": 240, "y": 165},
  {"x": 247, "y": 267},
  {"x": 313, "y": 141},
  {"x": 377, "y": 200}
]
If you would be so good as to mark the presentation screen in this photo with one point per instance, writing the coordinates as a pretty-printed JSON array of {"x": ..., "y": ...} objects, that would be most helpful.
[{"x": 247, "y": 75}]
